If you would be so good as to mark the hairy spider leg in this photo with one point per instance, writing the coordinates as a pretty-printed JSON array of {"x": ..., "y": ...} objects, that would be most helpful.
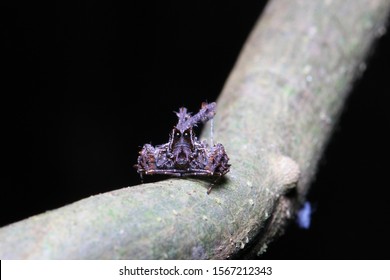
[
  {"x": 184, "y": 173},
  {"x": 180, "y": 173},
  {"x": 139, "y": 172}
]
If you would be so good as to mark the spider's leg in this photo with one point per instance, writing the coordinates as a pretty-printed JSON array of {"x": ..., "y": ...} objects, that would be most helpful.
[
  {"x": 142, "y": 177},
  {"x": 210, "y": 187},
  {"x": 213, "y": 184}
]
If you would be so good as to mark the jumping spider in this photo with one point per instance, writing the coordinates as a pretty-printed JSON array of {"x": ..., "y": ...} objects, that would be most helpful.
[{"x": 184, "y": 155}]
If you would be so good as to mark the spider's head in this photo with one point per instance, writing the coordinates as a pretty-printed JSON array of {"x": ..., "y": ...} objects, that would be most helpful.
[
  {"x": 182, "y": 134},
  {"x": 181, "y": 145},
  {"x": 181, "y": 138}
]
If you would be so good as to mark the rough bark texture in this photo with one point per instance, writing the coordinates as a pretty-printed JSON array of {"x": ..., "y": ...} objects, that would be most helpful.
[{"x": 276, "y": 113}]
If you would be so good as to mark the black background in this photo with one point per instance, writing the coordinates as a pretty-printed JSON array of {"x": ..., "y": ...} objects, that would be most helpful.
[{"x": 85, "y": 85}]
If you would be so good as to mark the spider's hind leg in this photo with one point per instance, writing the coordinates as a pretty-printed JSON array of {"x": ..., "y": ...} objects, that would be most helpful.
[
  {"x": 213, "y": 184},
  {"x": 210, "y": 188}
]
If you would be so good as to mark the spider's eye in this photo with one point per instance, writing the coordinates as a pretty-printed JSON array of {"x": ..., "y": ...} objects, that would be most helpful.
[
  {"x": 177, "y": 134},
  {"x": 187, "y": 134}
]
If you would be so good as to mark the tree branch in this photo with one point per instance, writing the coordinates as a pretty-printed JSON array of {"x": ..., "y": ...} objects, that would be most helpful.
[{"x": 275, "y": 113}]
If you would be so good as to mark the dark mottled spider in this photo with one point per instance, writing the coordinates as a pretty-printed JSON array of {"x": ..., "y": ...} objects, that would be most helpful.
[{"x": 184, "y": 155}]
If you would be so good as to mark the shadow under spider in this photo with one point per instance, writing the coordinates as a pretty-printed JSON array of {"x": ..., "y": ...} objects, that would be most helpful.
[{"x": 211, "y": 184}]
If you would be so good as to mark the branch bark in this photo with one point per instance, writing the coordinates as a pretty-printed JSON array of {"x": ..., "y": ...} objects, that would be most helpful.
[{"x": 274, "y": 117}]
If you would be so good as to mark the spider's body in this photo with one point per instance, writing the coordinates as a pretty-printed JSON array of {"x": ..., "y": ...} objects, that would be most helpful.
[{"x": 184, "y": 154}]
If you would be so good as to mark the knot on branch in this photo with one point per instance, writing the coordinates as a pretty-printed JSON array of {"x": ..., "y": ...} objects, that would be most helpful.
[{"x": 286, "y": 170}]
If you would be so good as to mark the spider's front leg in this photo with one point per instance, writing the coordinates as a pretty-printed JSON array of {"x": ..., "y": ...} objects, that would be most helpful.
[
  {"x": 164, "y": 158},
  {"x": 146, "y": 160},
  {"x": 217, "y": 163},
  {"x": 218, "y": 160},
  {"x": 154, "y": 160}
]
